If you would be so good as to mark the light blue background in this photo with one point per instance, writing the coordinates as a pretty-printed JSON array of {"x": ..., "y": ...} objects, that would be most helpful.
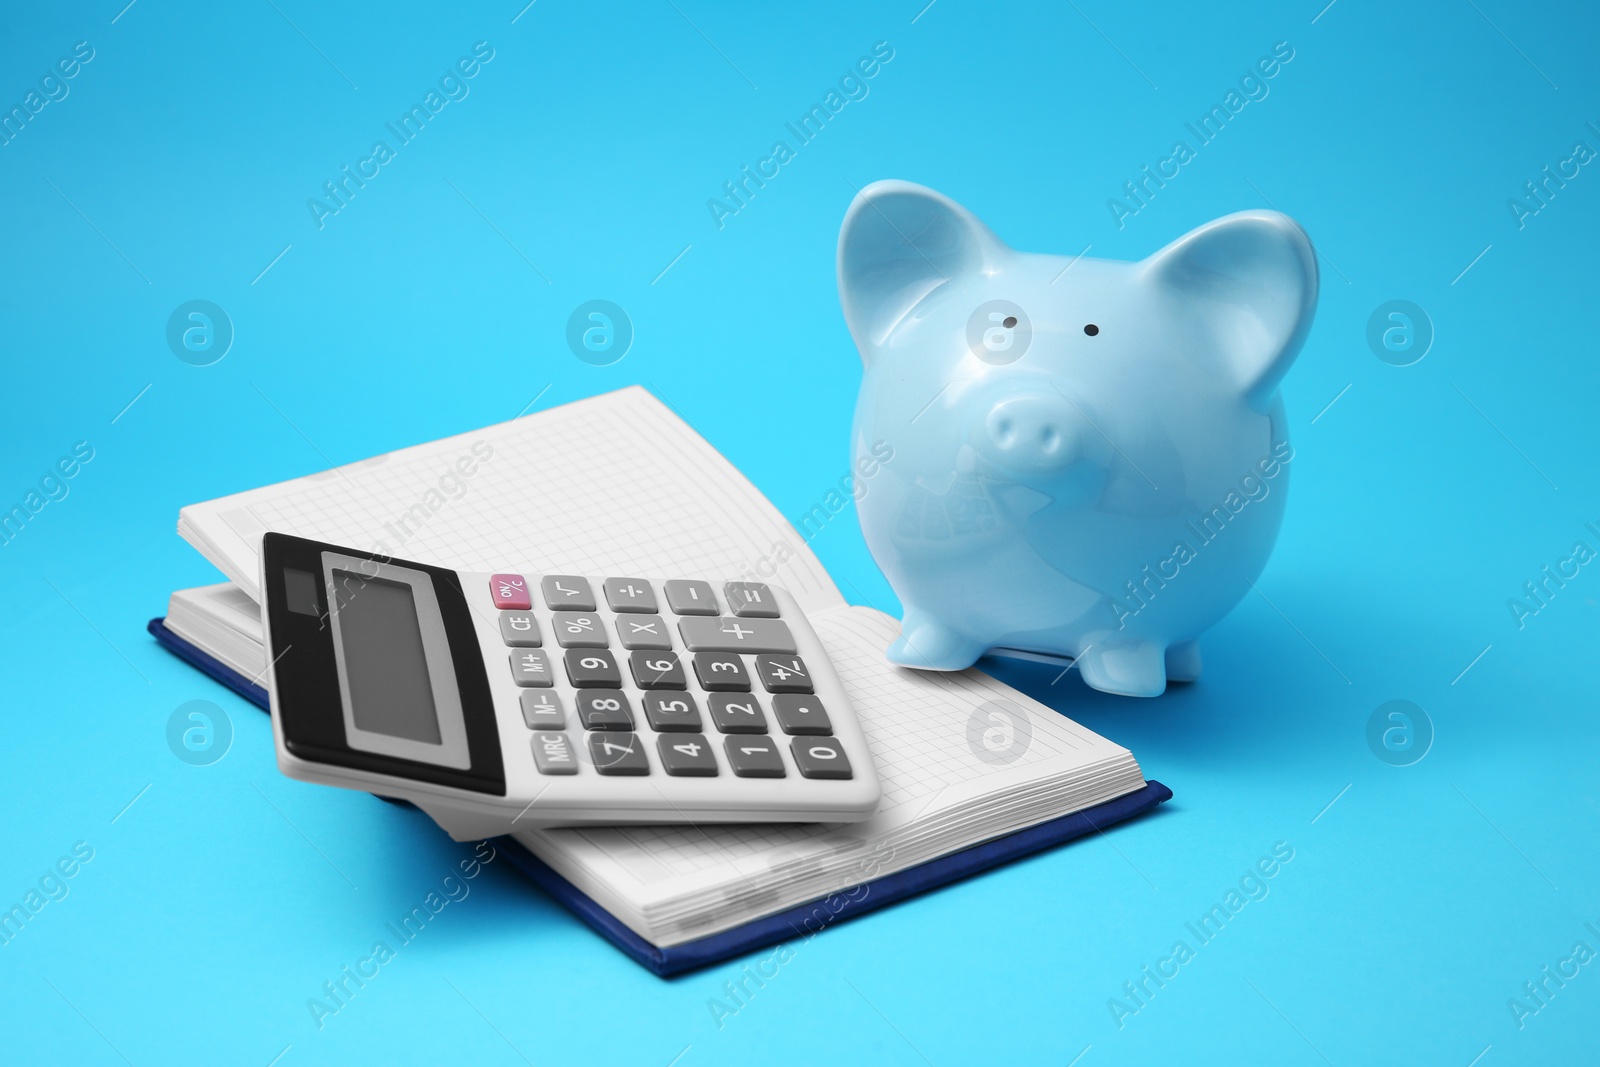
[{"x": 218, "y": 903}]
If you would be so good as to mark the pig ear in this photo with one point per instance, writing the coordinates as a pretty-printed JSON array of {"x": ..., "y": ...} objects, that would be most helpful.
[
  {"x": 1249, "y": 280},
  {"x": 899, "y": 243}
]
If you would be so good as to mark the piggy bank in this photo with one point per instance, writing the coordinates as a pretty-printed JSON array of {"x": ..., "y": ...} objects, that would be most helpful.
[{"x": 1089, "y": 456}]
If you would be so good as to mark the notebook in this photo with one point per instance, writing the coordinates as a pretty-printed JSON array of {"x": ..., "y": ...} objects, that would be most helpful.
[{"x": 618, "y": 483}]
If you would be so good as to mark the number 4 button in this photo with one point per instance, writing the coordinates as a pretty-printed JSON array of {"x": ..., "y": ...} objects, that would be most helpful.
[{"x": 687, "y": 755}]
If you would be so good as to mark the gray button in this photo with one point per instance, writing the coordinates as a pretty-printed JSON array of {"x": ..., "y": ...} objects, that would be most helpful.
[
  {"x": 736, "y": 635},
  {"x": 642, "y": 631},
  {"x": 519, "y": 629},
  {"x": 672, "y": 713},
  {"x": 687, "y": 756},
  {"x": 691, "y": 598},
  {"x": 531, "y": 666},
  {"x": 801, "y": 714},
  {"x": 630, "y": 594},
  {"x": 750, "y": 600},
  {"x": 604, "y": 709},
  {"x": 592, "y": 668},
  {"x": 754, "y": 757},
  {"x": 552, "y": 753},
  {"x": 783, "y": 674},
  {"x": 721, "y": 672},
  {"x": 737, "y": 713},
  {"x": 541, "y": 710},
  {"x": 565, "y": 592},
  {"x": 657, "y": 670},
  {"x": 618, "y": 754},
  {"x": 578, "y": 629},
  {"x": 819, "y": 757}
]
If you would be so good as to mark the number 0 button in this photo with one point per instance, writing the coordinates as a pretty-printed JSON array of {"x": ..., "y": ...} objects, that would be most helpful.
[{"x": 820, "y": 758}]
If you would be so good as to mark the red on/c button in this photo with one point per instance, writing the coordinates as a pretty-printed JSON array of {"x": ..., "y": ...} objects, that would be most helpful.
[{"x": 510, "y": 592}]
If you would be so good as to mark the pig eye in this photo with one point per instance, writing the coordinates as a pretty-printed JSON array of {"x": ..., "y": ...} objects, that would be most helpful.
[{"x": 1091, "y": 329}]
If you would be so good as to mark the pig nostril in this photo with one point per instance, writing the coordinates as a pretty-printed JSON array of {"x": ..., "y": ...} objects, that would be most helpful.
[
  {"x": 1003, "y": 434},
  {"x": 1049, "y": 440}
]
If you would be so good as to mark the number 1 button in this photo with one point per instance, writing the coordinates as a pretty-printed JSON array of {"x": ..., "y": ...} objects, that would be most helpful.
[
  {"x": 687, "y": 755},
  {"x": 754, "y": 757}
]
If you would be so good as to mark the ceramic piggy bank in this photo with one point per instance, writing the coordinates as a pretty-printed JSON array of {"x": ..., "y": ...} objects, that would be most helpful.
[{"x": 1090, "y": 456}]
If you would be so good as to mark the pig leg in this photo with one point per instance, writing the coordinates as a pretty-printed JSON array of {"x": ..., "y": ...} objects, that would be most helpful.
[
  {"x": 1183, "y": 661},
  {"x": 932, "y": 646},
  {"x": 1127, "y": 668}
]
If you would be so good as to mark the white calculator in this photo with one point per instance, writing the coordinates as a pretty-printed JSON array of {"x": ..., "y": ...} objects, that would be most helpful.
[{"x": 496, "y": 702}]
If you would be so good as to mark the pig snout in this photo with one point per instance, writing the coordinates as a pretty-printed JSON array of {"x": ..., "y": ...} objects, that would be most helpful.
[{"x": 1033, "y": 434}]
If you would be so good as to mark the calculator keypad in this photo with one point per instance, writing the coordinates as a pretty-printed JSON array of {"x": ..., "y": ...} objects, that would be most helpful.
[{"x": 703, "y": 657}]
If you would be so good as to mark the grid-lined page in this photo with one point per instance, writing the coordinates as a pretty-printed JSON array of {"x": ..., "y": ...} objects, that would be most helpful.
[
  {"x": 613, "y": 484},
  {"x": 917, "y": 726}
]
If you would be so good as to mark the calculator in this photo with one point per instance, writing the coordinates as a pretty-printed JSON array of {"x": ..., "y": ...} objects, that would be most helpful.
[{"x": 500, "y": 701}]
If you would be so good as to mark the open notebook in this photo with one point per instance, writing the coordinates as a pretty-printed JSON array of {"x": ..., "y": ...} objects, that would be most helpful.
[{"x": 616, "y": 484}]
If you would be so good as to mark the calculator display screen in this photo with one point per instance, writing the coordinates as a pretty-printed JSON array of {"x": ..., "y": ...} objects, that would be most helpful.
[{"x": 385, "y": 662}]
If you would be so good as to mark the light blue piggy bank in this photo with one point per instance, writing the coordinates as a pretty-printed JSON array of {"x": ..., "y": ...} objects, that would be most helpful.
[{"x": 1090, "y": 456}]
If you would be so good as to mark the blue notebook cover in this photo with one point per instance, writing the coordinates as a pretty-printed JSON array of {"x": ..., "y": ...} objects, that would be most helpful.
[{"x": 798, "y": 923}]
